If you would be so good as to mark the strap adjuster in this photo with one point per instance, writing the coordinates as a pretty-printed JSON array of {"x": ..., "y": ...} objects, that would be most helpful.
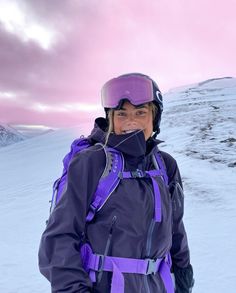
[
  {"x": 100, "y": 262},
  {"x": 93, "y": 208}
]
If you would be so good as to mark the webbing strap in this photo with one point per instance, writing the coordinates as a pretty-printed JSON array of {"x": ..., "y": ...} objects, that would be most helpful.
[
  {"x": 117, "y": 281},
  {"x": 106, "y": 185},
  {"x": 120, "y": 265},
  {"x": 140, "y": 174},
  {"x": 162, "y": 166},
  {"x": 125, "y": 265},
  {"x": 157, "y": 200},
  {"x": 151, "y": 174},
  {"x": 165, "y": 274}
]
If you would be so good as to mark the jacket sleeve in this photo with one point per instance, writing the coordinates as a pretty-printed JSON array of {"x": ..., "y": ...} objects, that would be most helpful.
[
  {"x": 59, "y": 253},
  {"x": 180, "y": 255}
]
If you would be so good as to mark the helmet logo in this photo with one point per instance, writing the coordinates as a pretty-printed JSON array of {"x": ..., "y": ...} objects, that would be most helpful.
[{"x": 159, "y": 96}]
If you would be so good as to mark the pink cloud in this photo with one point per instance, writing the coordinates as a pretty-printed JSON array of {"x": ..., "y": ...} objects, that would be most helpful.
[
  {"x": 176, "y": 43},
  {"x": 19, "y": 115}
]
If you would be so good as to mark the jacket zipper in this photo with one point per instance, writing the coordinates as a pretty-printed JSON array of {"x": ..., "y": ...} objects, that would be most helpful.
[
  {"x": 99, "y": 277},
  {"x": 149, "y": 240}
]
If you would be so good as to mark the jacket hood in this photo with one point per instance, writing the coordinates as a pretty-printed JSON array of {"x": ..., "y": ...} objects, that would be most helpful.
[{"x": 131, "y": 144}]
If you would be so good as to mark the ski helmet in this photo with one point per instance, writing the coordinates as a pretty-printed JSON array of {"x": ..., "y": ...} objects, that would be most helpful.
[{"x": 138, "y": 89}]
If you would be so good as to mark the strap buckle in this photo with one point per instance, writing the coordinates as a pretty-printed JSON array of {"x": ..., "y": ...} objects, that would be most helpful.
[
  {"x": 138, "y": 174},
  {"x": 152, "y": 267}
]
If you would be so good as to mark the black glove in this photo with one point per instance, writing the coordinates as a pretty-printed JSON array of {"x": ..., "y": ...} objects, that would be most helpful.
[{"x": 184, "y": 280}]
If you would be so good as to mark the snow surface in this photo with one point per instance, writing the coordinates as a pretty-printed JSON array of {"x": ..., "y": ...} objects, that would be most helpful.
[{"x": 198, "y": 128}]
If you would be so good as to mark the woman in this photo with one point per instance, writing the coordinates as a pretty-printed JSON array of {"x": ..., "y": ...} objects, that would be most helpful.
[{"x": 136, "y": 234}]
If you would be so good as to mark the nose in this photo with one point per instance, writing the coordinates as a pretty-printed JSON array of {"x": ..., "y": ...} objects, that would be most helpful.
[{"x": 131, "y": 119}]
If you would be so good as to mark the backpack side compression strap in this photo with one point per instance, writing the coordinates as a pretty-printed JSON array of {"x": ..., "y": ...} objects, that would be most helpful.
[{"x": 108, "y": 182}]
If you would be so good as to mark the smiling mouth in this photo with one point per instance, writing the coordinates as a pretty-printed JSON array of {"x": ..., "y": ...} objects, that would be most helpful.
[{"x": 130, "y": 131}]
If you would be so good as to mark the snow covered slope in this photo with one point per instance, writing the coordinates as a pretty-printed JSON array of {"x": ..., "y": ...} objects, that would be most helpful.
[
  {"x": 9, "y": 135},
  {"x": 27, "y": 171},
  {"x": 198, "y": 128},
  {"x": 206, "y": 115}
]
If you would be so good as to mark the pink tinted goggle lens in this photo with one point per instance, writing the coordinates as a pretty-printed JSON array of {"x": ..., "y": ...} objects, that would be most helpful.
[{"x": 137, "y": 89}]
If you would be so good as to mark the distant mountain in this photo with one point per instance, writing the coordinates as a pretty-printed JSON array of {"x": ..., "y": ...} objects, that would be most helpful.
[
  {"x": 32, "y": 130},
  {"x": 9, "y": 135}
]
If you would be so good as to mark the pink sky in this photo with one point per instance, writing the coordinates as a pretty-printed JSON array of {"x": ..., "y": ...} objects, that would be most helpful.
[{"x": 56, "y": 55}]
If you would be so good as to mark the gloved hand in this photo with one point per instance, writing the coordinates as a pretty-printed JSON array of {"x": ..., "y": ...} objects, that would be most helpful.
[{"x": 184, "y": 280}]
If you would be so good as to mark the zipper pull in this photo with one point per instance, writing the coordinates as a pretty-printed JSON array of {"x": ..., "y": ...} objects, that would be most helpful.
[{"x": 112, "y": 225}]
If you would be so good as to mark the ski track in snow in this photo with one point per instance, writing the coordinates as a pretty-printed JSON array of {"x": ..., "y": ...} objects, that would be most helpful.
[{"x": 195, "y": 122}]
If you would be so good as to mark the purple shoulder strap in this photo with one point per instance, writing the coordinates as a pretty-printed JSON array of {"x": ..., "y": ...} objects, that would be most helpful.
[
  {"x": 108, "y": 182},
  {"x": 160, "y": 164}
]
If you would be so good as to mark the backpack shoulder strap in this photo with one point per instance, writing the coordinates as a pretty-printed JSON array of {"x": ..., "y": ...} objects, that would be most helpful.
[
  {"x": 159, "y": 164},
  {"x": 108, "y": 181}
]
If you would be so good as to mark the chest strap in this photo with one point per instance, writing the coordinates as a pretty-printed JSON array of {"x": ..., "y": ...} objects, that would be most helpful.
[
  {"x": 118, "y": 265},
  {"x": 151, "y": 174}
]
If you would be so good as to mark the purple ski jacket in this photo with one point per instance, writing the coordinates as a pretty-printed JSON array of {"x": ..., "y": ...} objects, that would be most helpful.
[{"x": 135, "y": 233}]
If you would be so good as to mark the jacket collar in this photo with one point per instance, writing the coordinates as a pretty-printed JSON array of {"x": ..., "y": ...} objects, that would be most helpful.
[{"x": 130, "y": 144}]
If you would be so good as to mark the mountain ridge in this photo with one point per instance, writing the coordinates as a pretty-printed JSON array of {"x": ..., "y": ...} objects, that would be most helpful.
[{"x": 9, "y": 135}]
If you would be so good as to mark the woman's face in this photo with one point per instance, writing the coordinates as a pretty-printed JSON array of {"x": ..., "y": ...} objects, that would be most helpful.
[{"x": 130, "y": 118}]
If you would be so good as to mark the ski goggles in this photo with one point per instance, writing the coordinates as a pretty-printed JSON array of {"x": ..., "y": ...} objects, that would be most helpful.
[{"x": 137, "y": 89}]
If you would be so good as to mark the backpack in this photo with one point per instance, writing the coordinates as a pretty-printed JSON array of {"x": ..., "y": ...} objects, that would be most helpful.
[{"x": 110, "y": 178}]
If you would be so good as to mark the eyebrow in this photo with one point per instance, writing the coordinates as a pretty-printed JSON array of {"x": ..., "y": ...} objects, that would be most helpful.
[{"x": 136, "y": 107}]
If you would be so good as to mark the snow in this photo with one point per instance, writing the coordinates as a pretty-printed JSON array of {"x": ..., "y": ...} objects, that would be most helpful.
[{"x": 198, "y": 128}]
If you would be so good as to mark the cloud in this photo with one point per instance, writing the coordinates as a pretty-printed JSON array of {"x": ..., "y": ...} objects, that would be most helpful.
[
  {"x": 65, "y": 108},
  {"x": 16, "y": 20},
  {"x": 21, "y": 115},
  {"x": 93, "y": 41}
]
